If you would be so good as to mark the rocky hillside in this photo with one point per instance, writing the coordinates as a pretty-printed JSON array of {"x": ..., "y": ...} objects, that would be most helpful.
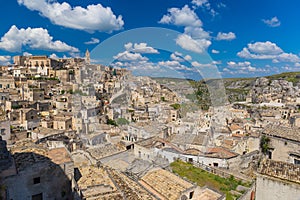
[
  {"x": 274, "y": 90},
  {"x": 282, "y": 87}
]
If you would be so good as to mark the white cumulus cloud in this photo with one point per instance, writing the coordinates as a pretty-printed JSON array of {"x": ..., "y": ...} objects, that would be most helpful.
[
  {"x": 92, "y": 18},
  {"x": 141, "y": 68},
  {"x": 241, "y": 68},
  {"x": 226, "y": 36},
  {"x": 297, "y": 65},
  {"x": 34, "y": 38},
  {"x": 188, "y": 57},
  {"x": 197, "y": 32},
  {"x": 267, "y": 50},
  {"x": 27, "y": 54},
  {"x": 267, "y": 47},
  {"x": 205, "y": 4},
  {"x": 215, "y": 51},
  {"x": 140, "y": 48},
  {"x": 194, "y": 38},
  {"x": 288, "y": 57},
  {"x": 181, "y": 17},
  {"x": 273, "y": 22},
  {"x": 238, "y": 64},
  {"x": 188, "y": 43},
  {"x": 176, "y": 56},
  {"x": 200, "y": 3},
  {"x": 174, "y": 65},
  {"x": 5, "y": 60},
  {"x": 53, "y": 56},
  {"x": 129, "y": 56},
  {"x": 204, "y": 65},
  {"x": 93, "y": 41}
]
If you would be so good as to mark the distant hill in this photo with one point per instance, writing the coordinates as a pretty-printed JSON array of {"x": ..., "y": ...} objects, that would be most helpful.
[{"x": 237, "y": 89}]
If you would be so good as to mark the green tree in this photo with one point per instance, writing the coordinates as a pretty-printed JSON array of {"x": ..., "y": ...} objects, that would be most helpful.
[
  {"x": 264, "y": 144},
  {"x": 111, "y": 122},
  {"x": 176, "y": 106},
  {"x": 122, "y": 121}
]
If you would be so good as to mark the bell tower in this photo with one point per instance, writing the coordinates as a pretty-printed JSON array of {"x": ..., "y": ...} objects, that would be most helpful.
[{"x": 87, "y": 57}]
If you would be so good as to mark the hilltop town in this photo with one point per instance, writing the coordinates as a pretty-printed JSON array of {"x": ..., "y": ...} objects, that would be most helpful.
[{"x": 75, "y": 130}]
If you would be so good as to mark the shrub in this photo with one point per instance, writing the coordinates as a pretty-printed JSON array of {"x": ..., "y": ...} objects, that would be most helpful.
[
  {"x": 176, "y": 106},
  {"x": 111, "y": 122}
]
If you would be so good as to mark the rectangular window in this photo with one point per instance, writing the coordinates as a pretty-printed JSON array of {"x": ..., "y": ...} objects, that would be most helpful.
[
  {"x": 296, "y": 162},
  {"x": 269, "y": 154},
  {"x": 36, "y": 180},
  {"x": 37, "y": 197}
]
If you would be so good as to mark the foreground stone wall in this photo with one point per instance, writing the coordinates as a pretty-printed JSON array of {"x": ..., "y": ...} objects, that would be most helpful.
[
  {"x": 275, "y": 189},
  {"x": 52, "y": 184}
]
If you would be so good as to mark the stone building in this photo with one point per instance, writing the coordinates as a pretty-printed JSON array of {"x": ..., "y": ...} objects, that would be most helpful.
[
  {"x": 5, "y": 161},
  {"x": 19, "y": 60},
  {"x": 156, "y": 149},
  {"x": 141, "y": 130},
  {"x": 24, "y": 117},
  {"x": 42, "y": 132},
  {"x": 63, "y": 103},
  {"x": 62, "y": 121},
  {"x": 64, "y": 75},
  {"x": 41, "y": 174},
  {"x": 5, "y": 129},
  {"x": 295, "y": 121},
  {"x": 284, "y": 144},
  {"x": 7, "y": 82},
  {"x": 42, "y": 64},
  {"x": 34, "y": 94},
  {"x": 235, "y": 129},
  {"x": 277, "y": 180},
  {"x": 167, "y": 186}
]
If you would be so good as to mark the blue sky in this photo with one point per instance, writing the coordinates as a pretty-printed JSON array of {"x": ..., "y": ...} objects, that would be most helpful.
[{"x": 234, "y": 37}]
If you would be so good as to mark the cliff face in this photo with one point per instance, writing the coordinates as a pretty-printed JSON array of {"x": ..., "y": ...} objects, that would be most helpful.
[
  {"x": 236, "y": 90},
  {"x": 279, "y": 88},
  {"x": 277, "y": 91}
]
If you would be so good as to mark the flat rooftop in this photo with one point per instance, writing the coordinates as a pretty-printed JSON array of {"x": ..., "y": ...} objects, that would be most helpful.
[
  {"x": 27, "y": 153},
  {"x": 206, "y": 194},
  {"x": 281, "y": 170},
  {"x": 283, "y": 132},
  {"x": 103, "y": 150},
  {"x": 164, "y": 184},
  {"x": 59, "y": 155},
  {"x": 47, "y": 131},
  {"x": 95, "y": 182}
]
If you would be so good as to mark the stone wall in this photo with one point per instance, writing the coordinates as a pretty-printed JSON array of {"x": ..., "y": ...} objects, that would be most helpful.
[
  {"x": 244, "y": 161},
  {"x": 5, "y": 130},
  {"x": 283, "y": 148},
  {"x": 247, "y": 145},
  {"x": 52, "y": 184},
  {"x": 275, "y": 189}
]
